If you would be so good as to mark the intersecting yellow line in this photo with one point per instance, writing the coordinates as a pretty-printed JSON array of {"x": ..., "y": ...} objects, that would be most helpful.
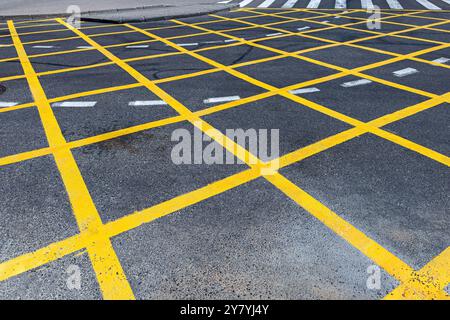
[
  {"x": 398, "y": 268},
  {"x": 112, "y": 280},
  {"x": 144, "y": 217},
  {"x": 334, "y": 114}
]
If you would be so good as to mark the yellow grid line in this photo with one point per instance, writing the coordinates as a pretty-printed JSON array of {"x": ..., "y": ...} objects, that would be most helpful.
[
  {"x": 111, "y": 278},
  {"x": 357, "y": 128}
]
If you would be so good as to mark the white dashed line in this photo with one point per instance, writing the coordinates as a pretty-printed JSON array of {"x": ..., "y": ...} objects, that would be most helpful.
[
  {"x": 405, "y": 72},
  {"x": 394, "y": 4},
  {"x": 75, "y": 104},
  {"x": 441, "y": 60},
  {"x": 355, "y": 83},
  {"x": 289, "y": 4},
  {"x": 341, "y": 4},
  {"x": 274, "y": 34},
  {"x": 147, "y": 103},
  {"x": 230, "y": 40},
  {"x": 221, "y": 99},
  {"x": 303, "y": 28},
  {"x": 187, "y": 44},
  {"x": 305, "y": 90},
  {"x": 427, "y": 4},
  {"x": 138, "y": 46},
  {"x": 225, "y": 2},
  {"x": 325, "y": 21},
  {"x": 42, "y": 47},
  {"x": 8, "y": 104},
  {"x": 85, "y": 47}
]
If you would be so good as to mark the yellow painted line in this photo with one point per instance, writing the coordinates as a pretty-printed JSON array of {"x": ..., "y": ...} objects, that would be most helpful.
[
  {"x": 382, "y": 257},
  {"x": 428, "y": 283},
  {"x": 40, "y": 257},
  {"x": 385, "y": 259},
  {"x": 110, "y": 275}
]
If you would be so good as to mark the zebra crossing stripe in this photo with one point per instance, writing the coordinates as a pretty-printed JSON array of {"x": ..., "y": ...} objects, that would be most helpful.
[
  {"x": 367, "y": 4},
  {"x": 341, "y": 4},
  {"x": 245, "y": 3},
  {"x": 313, "y": 4},
  {"x": 427, "y": 4},
  {"x": 394, "y": 4},
  {"x": 266, "y": 4},
  {"x": 289, "y": 4}
]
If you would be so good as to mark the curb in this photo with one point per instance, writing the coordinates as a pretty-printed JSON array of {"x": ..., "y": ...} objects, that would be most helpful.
[{"x": 91, "y": 16}]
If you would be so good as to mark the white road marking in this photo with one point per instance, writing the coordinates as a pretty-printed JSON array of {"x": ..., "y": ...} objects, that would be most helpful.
[
  {"x": 85, "y": 47},
  {"x": 75, "y": 104},
  {"x": 215, "y": 41},
  {"x": 8, "y": 104},
  {"x": 42, "y": 47},
  {"x": 355, "y": 83},
  {"x": 442, "y": 60},
  {"x": 367, "y": 4},
  {"x": 305, "y": 90},
  {"x": 274, "y": 34},
  {"x": 427, "y": 4},
  {"x": 446, "y": 1},
  {"x": 405, "y": 72},
  {"x": 138, "y": 46},
  {"x": 313, "y": 4},
  {"x": 221, "y": 99},
  {"x": 394, "y": 4},
  {"x": 230, "y": 40},
  {"x": 245, "y": 3},
  {"x": 290, "y": 4},
  {"x": 341, "y": 4},
  {"x": 147, "y": 103},
  {"x": 187, "y": 44},
  {"x": 266, "y": 3},
  {"x": 225, "y": 2},
  {"x": 303, "y": 28},
  {"x": 325, "y": 21}
]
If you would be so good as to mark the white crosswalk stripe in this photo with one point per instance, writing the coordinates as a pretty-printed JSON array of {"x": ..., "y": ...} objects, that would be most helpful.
[
  {"x": 313, "y": 4},
  {"x": 341, "y": 4},
  {"x": 367, "y": 4},
  {"x": 394, "y": 4},
  {"x": 266, "y": 3},
  {"x": 245, "y": 3},
  {"x": 427, "y": 4},
  {"x": 338, "y": 4},
  {"x": 289, "y": 4}
]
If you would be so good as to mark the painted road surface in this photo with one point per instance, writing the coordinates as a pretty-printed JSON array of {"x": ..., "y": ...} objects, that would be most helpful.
[{"x": 94, "y": 206}]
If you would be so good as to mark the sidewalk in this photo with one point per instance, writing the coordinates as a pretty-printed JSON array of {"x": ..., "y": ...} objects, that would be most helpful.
[{"x": 111, "y": 10}]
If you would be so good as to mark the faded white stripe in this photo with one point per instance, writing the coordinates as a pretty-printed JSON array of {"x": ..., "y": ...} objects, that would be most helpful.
[
  {"x": 43, "y": 47},
  {"x": 290, "y": 4},
  {"x": 8, "y": 104},
  {"x": 75, "y": 104},
  {"x": 147, "y": 103},
  {"x": 427, "y": 4},
  {"x": 305, "y": 90},
  {"x": 303, "y": 28},
  {"x": 274, "y": 34},
  {"x": 221, "y": 99},
  {"x": 355, "y": 83},
  {"x": 313, "y": 4},
  {"x": 187, "y": 44},
  {"x": 405, "y": 72},
  {"x": 84, "y": 47},
  {"x": 442, "y": 60}
]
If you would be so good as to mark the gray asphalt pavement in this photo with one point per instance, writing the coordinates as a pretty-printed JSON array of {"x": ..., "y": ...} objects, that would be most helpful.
[{"x": 362, "y": 191}]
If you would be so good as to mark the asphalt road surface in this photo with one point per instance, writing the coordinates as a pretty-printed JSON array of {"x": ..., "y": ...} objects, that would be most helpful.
[{"x": 93, "y": 205}]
